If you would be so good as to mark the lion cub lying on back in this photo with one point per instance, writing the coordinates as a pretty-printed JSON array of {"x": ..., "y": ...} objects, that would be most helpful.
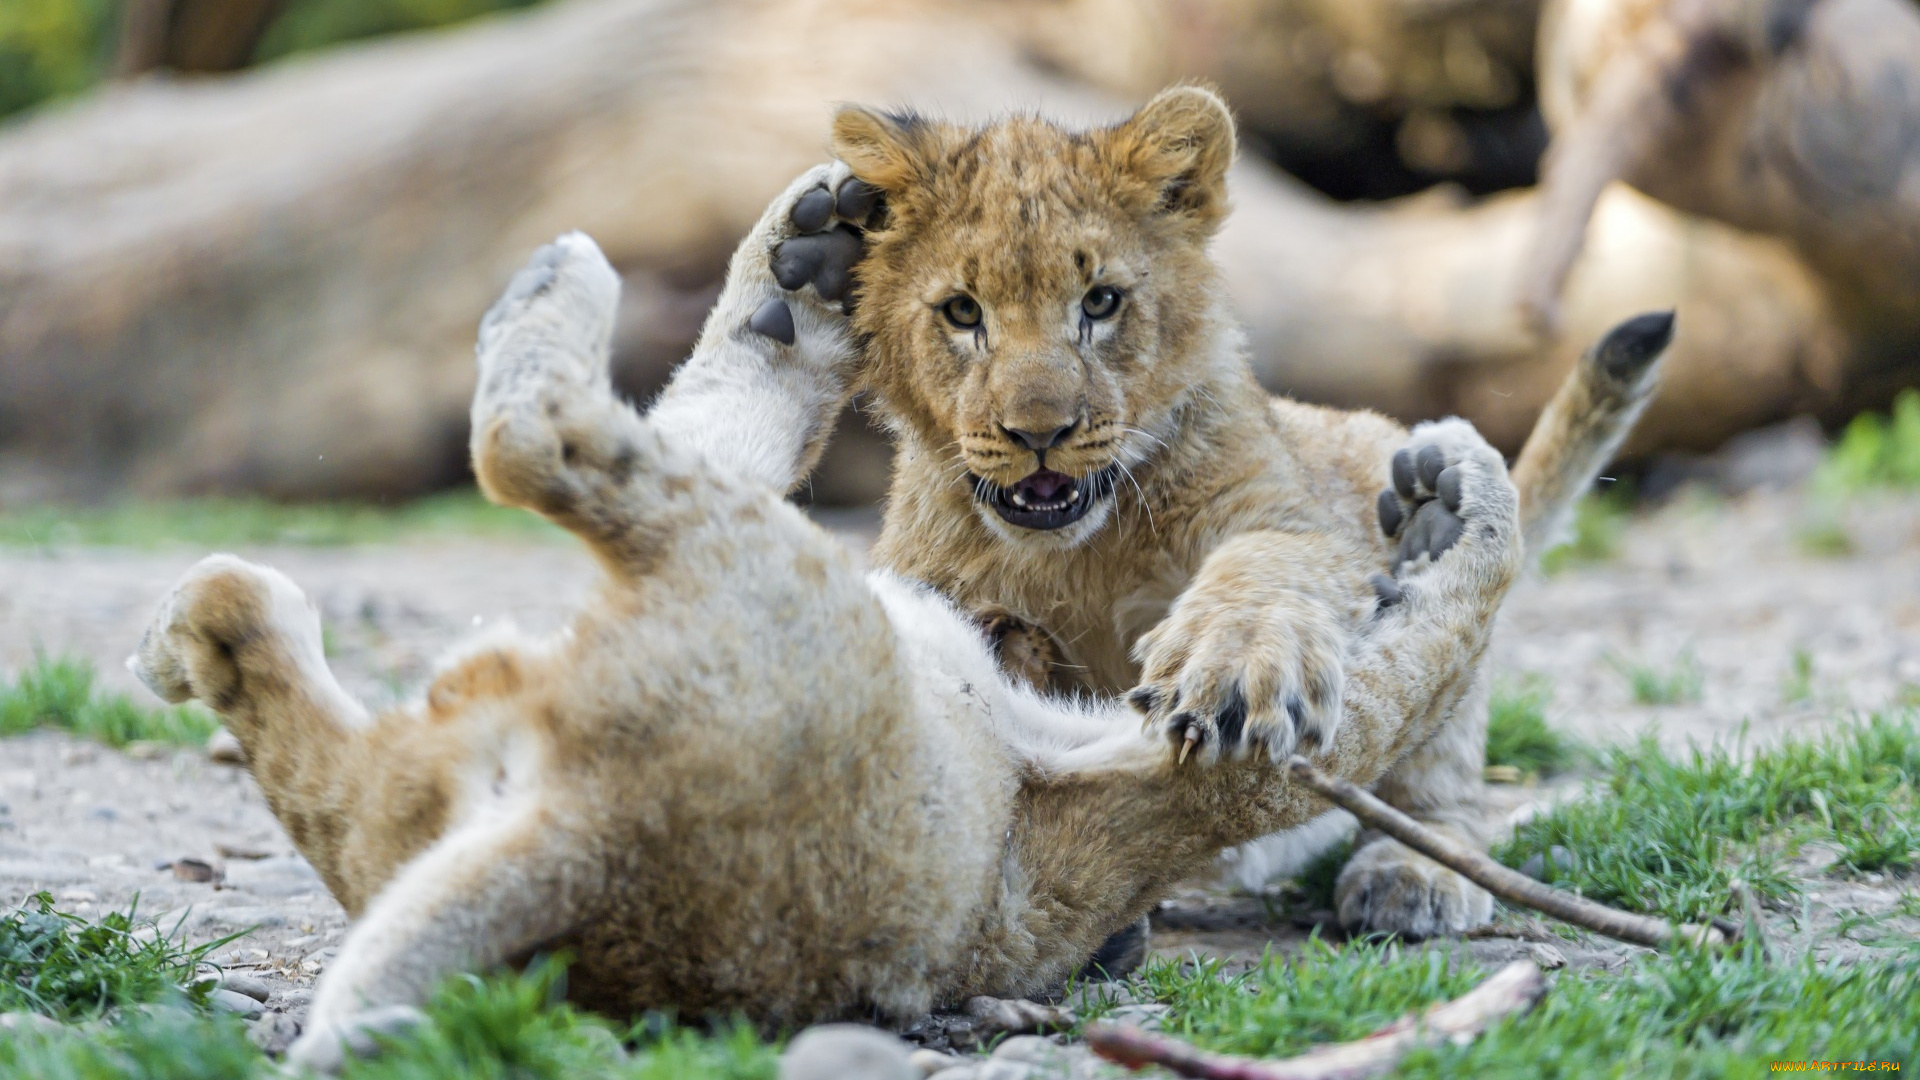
[{"x": 747, "y": 777}]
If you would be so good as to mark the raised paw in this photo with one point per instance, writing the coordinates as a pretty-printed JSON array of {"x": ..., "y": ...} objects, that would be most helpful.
[
  {"x": 808, "y": 243},
  {"x": 561, "y": 303},
  {"x": 1219, "y": 680},
  {"x": 1388, "y": 888},
  {"x": 1443, "y": 479},
  {"x": 190, "y": 647}
]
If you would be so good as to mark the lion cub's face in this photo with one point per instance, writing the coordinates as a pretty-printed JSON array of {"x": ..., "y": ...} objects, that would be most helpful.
[{"x": 1039, "y": 298}]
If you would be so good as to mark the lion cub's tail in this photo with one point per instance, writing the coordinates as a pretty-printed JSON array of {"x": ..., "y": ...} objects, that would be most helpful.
[{"x": 1585, "y": 423}]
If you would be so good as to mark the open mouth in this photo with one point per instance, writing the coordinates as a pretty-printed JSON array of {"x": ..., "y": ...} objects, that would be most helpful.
[{"x": 1045, "y": 499}]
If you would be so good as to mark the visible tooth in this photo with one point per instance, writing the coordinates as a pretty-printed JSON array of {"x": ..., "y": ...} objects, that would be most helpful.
[
  {"x": 1073, "y": 496},
  {"x": 1019, "y": 498},
  {"x": 1187, "y": 747}
]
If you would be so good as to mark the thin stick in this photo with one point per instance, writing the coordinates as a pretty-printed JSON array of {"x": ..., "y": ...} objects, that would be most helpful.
[
  {"x": 1509, "y": 885},
  {"x": 1512, "y": 990},
  {"x": 1755, "y": 929}
]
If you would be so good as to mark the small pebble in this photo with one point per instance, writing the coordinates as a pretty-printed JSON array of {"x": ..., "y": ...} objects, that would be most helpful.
[
  {"x": 930, "y": 1062},
  {"x": 257, "y": 989},
  {"x": 1031, "y": 1049},
  {"x": 846, "y": 1052},
  {"x": 201, "y": 870}
]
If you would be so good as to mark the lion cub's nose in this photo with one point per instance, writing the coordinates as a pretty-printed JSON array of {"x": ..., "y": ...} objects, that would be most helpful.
[{"x": 1041, "y": 440}]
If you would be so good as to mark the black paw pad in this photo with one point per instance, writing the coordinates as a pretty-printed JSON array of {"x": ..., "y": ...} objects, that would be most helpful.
[
  {"x": 1429, "y": 464},
  {"x": 1403, "y": 473},
  {"x": 1391, "y": 516},
  {"x": 813, "y": 211},
  {"x": 1385, "y": 589},
  {"x": 857, "y": 200},
  {"x": 775, "y": 320},
  {"x": 1433, "y": 530},
  {"x": 836, "y": 268},
  {"x": 1448, "y": 487},
  {"x": 796, "y": 262}
]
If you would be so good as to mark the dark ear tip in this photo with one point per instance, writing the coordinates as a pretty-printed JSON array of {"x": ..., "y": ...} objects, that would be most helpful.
[{"x": 1631, "y": 347}]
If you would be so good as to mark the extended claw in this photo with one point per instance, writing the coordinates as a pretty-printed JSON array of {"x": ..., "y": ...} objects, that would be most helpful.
[{"x": 1193, "y": 736}]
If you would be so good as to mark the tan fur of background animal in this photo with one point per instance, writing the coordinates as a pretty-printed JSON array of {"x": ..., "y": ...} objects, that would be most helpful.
[{"x": 746, "y": 777}]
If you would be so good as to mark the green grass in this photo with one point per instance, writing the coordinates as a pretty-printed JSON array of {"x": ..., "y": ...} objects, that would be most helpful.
[
  {"x": 1875, "y": 451},
  {"x": 505, "y": 1027},
  {"x": 1653, "y": 685},
  {"x": 60, "y": 693},
  {"x": 1667, "y": 836},
  {"x": 1518, "y": 733},
  {"x": 1797, "y": 687},
  {"x": 1598, "y": 522},
  {"x": 67, "y": 968},
  {"x": 227, "y": 523},
  {"x": 1688, "y": 1015}
]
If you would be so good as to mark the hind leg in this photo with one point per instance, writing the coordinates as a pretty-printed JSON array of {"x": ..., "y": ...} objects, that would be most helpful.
[
  {"x": 244, "y": 640},
  {"x": 491, "y": 891}
]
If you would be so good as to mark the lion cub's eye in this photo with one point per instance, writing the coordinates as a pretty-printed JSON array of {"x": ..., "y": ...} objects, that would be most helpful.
[
  {"x": 962, "y": 311},
  {"x": 1100, "y": 301}
]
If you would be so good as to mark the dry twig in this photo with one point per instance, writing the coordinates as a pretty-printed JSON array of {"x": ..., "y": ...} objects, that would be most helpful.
[
  {"x": 1509, "y": 885},
  {"x": 1512, "y": 990}
]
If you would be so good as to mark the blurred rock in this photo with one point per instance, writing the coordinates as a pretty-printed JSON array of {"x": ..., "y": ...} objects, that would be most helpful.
[{"x": 847, "y": 1052}]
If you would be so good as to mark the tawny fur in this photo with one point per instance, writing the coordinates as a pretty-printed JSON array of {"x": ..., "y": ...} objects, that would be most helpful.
[
  {"x": 748, "y": 777},
  {"x": 1234, "y": 554}
]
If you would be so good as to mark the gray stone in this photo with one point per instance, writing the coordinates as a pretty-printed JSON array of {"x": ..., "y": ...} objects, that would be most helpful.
[
  {"x": 1031, "y": 1049},
  {"x": 257, "y": 989},
  {"x": 241, "y": 1004},
  {"x": 930, "y": 1062},
  {"x": 847, "y": 1052}
]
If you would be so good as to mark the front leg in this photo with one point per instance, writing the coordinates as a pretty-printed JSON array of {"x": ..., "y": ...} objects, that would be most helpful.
[
  {"x": 1254, "y": 652},
  {"x": 1387, "y": 887},
  {"x": 777, "y": 359}
]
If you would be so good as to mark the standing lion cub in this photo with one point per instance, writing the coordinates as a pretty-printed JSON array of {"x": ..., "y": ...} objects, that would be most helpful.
[
  {"x": 748, "y": 777},
  {"x": 1084, "y": 454}
]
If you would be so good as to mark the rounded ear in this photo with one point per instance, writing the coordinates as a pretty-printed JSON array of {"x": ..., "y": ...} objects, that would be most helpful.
[
  {"x": 886, "y": 149},
  {"x": 1181, "y": 144}
]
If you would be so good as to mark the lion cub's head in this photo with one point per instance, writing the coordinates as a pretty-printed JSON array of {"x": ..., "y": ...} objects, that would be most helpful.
[{"x": 1040, "y": 299}]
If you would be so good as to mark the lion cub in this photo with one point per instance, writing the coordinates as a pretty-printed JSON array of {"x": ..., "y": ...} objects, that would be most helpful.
[
  {"x": 748, "y": 777},
  {"x": 1083, "y": 449}
]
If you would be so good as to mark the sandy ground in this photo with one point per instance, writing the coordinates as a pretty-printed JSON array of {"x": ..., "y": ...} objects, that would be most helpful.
[{"x": 1726, "y": 582}]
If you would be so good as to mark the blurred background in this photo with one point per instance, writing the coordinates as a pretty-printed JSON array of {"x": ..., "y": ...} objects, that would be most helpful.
[{"x": 244, "y": 244}]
